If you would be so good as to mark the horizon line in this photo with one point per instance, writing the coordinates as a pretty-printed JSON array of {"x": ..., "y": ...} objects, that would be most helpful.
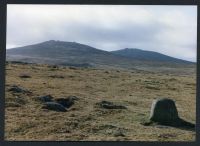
[{"x": 195, "y": 61}]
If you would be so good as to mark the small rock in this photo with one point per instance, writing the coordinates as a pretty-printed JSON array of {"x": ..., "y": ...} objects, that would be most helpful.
[
  {"x": 57, "y": 76},
  {"x": 16, "y": 89},
  {"x": 119, "y": 133},
  {"x": 24, "y": 76},
  {"x": 66, "y": 102},
  {"x": 54, "y": 106},
  {"x": 46, "y": 98},
  {"x": 110, "y": 105},
  {"x": 55, "y": 66}
]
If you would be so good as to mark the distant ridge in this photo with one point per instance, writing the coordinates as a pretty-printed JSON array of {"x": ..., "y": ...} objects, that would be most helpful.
[
  {"x": 76, "y": 54},
  {"x": 144, "y": 55},
  {"x": 65, "y": 53}
]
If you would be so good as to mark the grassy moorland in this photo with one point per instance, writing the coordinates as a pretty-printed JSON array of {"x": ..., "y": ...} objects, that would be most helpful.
[{"x": 85, "y": 120}]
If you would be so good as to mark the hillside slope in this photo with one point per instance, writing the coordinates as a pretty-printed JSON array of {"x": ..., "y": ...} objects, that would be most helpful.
[
  {"x": 65, "y": 53},
  {"x": 76, "y": 54},
  {"x": 144, "y": 55}
]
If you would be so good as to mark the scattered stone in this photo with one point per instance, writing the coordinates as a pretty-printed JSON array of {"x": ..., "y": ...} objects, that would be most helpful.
[
  {"x": 152, "y": 87},
  {"x": 108, "y": 126},
  {"x": 55, "y": 66},
  {"x": 57, "y": 76},
  {"x": 119, "y": 133},
  {"x": 71, "y": 76},
  {"x": 66, "y": 101},
  {"x": 24, "y": 76},
  {"x": 172, "y": 79},
  {"x": 54, "y": 106},
  {"x": 110, "y": 105},
  {"x": 16, "y": 89},
  {"x": 46, "y": 98},
  {"x": 171, "y": 88},
  {"x": 167, "y": 135},
  {"x": 139, "y": 80}
]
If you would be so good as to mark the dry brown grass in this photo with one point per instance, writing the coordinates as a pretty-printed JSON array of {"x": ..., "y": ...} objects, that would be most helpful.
[{"x": 26, "y": 120}]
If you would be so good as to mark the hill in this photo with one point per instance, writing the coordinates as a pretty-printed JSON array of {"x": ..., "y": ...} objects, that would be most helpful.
[
  {"x": 65, "y": 53},
  {"x": 76, "y": 54},
  {"x": 144, "y": 55}
]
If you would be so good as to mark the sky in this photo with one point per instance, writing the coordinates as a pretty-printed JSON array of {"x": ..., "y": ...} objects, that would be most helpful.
[{"x": 171, "y": 30}]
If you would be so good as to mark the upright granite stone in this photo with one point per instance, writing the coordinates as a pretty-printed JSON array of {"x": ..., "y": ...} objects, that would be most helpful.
[{"x": 164, "y": 111}]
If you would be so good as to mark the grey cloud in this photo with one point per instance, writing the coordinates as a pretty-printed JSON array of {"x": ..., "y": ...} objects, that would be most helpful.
[{"x": 148, "y": 35}]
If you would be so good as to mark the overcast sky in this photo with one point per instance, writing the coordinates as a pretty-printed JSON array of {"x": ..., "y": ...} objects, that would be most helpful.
[{"x": 171, "y": 30}]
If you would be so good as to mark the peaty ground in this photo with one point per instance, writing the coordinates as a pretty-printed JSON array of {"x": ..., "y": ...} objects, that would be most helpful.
[{"x": 26, "y": 120}]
